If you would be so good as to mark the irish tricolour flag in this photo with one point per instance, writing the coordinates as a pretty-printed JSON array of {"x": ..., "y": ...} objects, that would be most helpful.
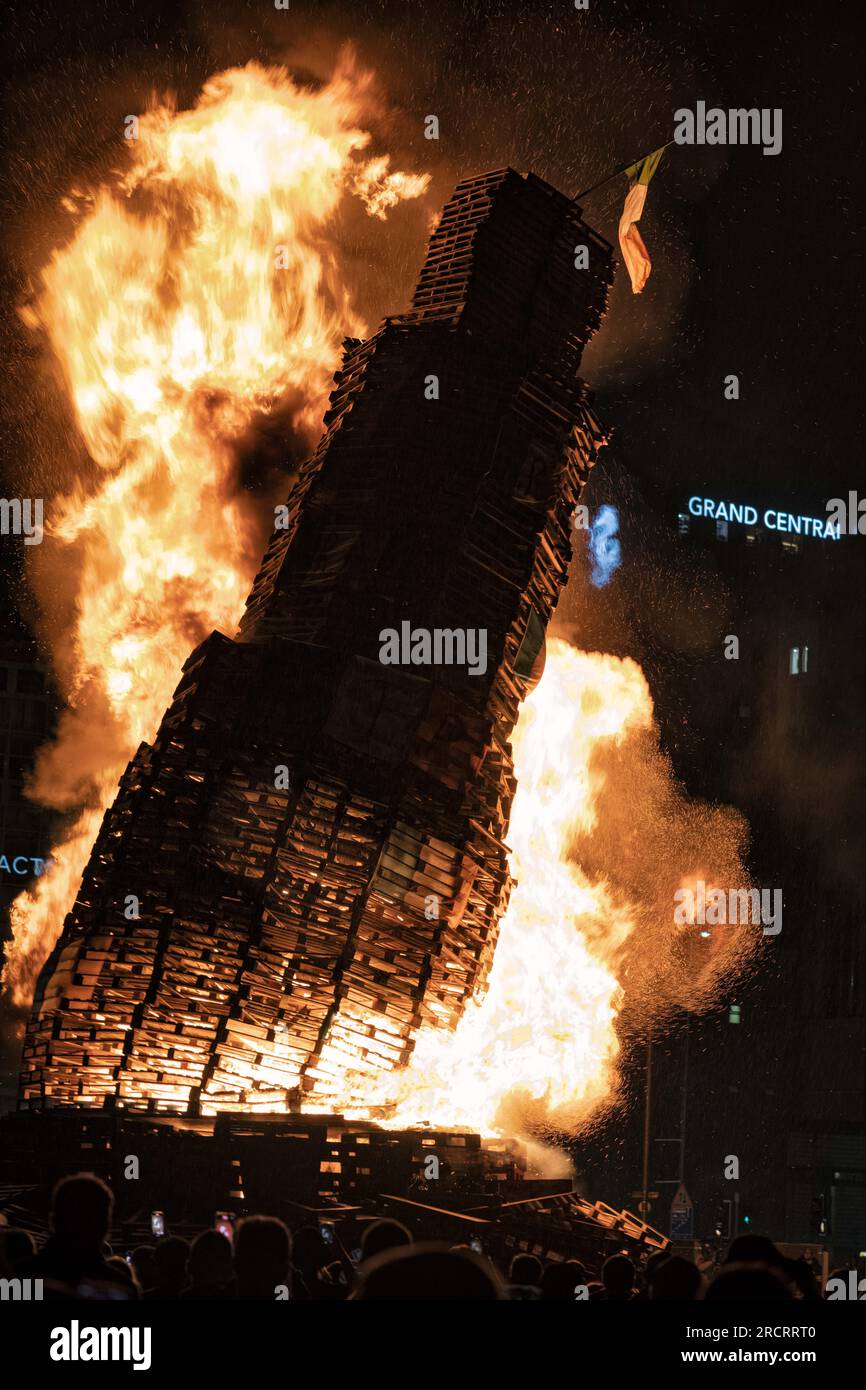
[{"x": 634, "y": 253}]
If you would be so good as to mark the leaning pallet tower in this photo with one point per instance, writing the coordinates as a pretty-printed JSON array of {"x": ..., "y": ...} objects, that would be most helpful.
[{"x": 314, "y": 843}]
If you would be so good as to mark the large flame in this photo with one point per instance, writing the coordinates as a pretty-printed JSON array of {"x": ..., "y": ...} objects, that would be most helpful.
[
  {"x": 539, "y": 1050},
  {"x": 601, "y": 835},
  {"x": 197, "y": 295}
]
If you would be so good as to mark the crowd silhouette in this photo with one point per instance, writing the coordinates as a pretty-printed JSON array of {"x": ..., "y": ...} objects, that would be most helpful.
[{"x": 266, "y": 1261}]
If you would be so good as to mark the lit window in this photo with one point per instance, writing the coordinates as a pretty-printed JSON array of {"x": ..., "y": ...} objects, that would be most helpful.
[
  {"x": 751, "y": 538},
  {"x": 805, "y": 659},
  {"x": 792, "y": 547},
  {"x": 683, "y": 523},
  {"x": 794, "y": 662},
  {"x": 721, "y": 530}
]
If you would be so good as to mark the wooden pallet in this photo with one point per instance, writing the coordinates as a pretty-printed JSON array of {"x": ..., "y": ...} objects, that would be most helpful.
[{"x": 290, "y": 942}]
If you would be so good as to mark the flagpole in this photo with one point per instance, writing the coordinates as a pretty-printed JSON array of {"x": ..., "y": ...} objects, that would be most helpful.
[{"x": 628, "y": 164}]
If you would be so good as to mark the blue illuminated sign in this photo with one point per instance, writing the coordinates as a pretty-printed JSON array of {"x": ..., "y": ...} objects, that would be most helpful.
[
  {"x": 773, "y": 520},
  {"x": 23, "y": 865}
]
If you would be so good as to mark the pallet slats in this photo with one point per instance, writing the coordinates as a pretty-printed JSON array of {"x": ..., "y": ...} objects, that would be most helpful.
[{"x": 290, "y": 941}]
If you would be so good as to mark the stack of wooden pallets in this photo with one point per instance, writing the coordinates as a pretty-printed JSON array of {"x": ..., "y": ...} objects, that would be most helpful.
[{"x": 310, "y": 862}]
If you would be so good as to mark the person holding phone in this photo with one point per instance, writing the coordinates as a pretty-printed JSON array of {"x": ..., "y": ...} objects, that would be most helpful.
[
  {"x": 72, "y": 1263},
  {"x": 210, "y": 1268}
]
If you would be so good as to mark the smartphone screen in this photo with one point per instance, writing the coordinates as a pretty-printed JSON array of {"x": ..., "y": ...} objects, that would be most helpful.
[
  {"x": 157, "y": 1223},
  {"x": 224, "y": 1221}
]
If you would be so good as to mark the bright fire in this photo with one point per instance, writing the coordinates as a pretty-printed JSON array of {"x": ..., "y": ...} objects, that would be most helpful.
[
  {"x": 196, "y": 296},
  {"x": 199, "y": 295},
  {"x": 539, "y": 1050}
]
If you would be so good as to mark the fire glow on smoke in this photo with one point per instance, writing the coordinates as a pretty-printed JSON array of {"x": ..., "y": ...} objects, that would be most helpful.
[
  {"x": 598, "y": 833},
  {"x": 173, "y": 330}
]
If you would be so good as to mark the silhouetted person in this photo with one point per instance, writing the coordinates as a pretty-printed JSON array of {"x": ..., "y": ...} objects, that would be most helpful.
[
  {"x": 263, "y": 1257},
  {"x": 842, "y": 1274},
  {"x": 118, "y": 1263},
  {"x": 760, "y": 1250},
  {"x": 525, "y": 1269},
  {"x": 171, "y": 1255},
  {"x": 209, "y": 1269},
  {"x": 386, "y": 1234},
  {"x": 559, "y": 1281},
  {"x": 144, "y": 1266},
  {"x": 71, "y": 1263},
  {"x": 802, "y": 1276},
  {"x": 654, "y": 1263},
  {"x": 752, "y": 1282},
  {"x": 310, "y": 1255},
  {"x": 676, "y": 1278},
  {"x": 617, "y": 1277},
  {"x": 754, "y": 1249},
  {"x": 428, "y": 1272},
  {"x": 524, "y": 1276},
  {"x": 17, "y": 1247}
]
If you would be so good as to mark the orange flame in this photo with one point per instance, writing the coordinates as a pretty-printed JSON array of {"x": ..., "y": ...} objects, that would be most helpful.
[
  {"x": 196, "y": 298},
  {"x": 540, "y": 1048},
  {"x": 598, "y": 836},
  {"x": 193, "y": 299}
]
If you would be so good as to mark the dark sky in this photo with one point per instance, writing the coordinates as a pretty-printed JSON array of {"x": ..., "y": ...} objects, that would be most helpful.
[{"x": 756, "y": 258}]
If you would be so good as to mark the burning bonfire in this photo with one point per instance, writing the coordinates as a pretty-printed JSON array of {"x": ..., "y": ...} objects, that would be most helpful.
[{"x": 198, "y": 296}]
